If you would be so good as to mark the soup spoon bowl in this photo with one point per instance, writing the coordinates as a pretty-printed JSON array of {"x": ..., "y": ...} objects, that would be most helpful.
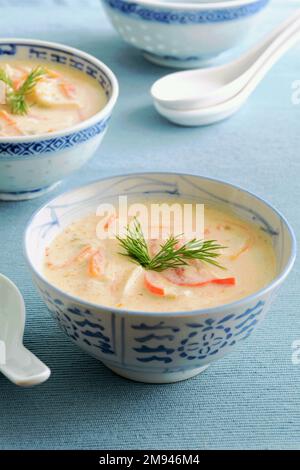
[
  {"x": 156, "y": 347},
  {"x": 194, "y": 89},
  {"x": 202, "y": 116},
  {"x": 212, "y": 114},
  {"x": 17, "y": 363}
]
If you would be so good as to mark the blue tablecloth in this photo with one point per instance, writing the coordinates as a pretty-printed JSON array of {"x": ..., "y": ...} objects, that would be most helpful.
[{"x": 250, "y": 399}]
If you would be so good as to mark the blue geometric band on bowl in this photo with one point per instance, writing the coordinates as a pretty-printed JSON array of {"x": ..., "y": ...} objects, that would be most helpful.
[
  {"x": 43, "y": 52},
  {"x": 186, "y": 17},
  {"x": 29, "y": 149}
]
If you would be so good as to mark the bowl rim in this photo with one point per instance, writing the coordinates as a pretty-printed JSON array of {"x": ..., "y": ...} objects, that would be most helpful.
[
  {"x": 190, "y": 5},
  {"x": 279, "y": 278},
  {"x": 102, "y": 114}
]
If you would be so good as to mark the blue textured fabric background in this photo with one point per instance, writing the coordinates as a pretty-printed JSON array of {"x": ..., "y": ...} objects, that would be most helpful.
[{"x": 248, "y": 400}]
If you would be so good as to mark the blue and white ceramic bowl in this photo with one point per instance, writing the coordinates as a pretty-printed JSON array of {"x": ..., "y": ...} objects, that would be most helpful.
[
  {"x": 183, "y": 34},
  {"x": 156, "y": 347},
  {"x": 32, "y": 165}
]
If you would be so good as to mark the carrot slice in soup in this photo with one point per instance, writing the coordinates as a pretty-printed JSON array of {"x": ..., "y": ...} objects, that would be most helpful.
[
  {"x": 53, "y": 73},
  {"x": 187, "y": 276},
  {"x": 109, "y": 221},
  {"x": 10, "y": 122},
  {"x": 225, "y": 281},
  {"x": 248, "y": 243},
  {"x": 96, "y": 264},
  {"x": 151, "y": 282},
  {"x": 83, "y": 254},
  {"x": 191, "y": 277},
  {"x": 68, "y": 89}
]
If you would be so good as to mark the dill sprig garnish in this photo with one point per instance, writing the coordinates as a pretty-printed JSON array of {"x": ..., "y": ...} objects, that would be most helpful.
[
  {"x": 170, "y": 254},
  {"x": 16, "y": 98},
  {"x": 5, "y": 78}
]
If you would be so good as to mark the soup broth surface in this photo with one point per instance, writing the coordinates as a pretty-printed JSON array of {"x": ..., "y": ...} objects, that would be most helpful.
[
  {"x": 81, "y": 264},
  {"x": 62, "y": 98}
]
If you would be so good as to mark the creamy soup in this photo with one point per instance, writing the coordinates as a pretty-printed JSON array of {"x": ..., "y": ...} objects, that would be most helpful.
[
  {"x": 80, "y": 263},
  {"x": 59, "y": 98}
]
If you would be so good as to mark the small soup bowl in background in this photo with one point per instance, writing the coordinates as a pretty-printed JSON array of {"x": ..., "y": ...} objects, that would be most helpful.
[
  {"x": 183, "y": 34},
  {"x": 32, "y": 165},
  {"x": 156, "y": 347}
]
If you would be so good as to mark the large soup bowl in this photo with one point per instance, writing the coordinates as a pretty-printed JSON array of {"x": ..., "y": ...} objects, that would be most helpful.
[
  {"x": 156, "y": 347},
  {"x": 31, "y": 165},
  {"x": 183, "y": 34}
]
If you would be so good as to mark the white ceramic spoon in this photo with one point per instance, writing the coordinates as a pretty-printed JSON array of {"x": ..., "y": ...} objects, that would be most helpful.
[
  {"x": 19, "y": 364},
  {"x": 194, "y": 89},
  {"x": 213, "y": 114}
]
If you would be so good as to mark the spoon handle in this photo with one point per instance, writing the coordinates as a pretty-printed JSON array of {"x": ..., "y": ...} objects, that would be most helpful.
[
  {"x": 280, "y": 31},
  {"x": 225, "y": 109},
  {"x": 268, "y": 64},
  {"x": 268, "y": 47},
  {"x": 250, "y": 63},
  {"x": 256, "y": 63},
  {"x": 25, "y": 369}
]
